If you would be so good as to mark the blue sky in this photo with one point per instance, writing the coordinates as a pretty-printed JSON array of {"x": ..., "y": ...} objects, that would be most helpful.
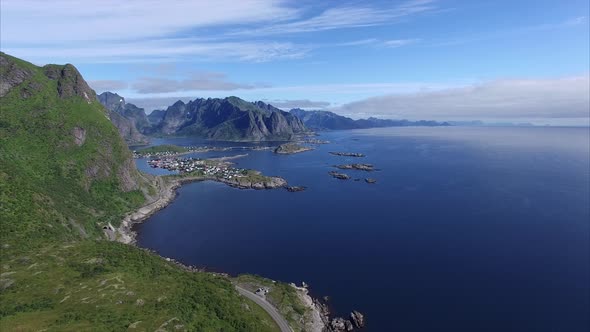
[{"x": 416, "y": 59}]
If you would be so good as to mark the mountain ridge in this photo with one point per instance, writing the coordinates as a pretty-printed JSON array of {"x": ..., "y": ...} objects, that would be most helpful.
[
  {"x": 230, "y": 118},
  {"x": 326, "y": 120},
  {"x": 65, "y": 175}
]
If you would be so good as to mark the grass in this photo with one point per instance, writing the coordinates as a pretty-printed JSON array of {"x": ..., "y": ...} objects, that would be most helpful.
[
  {"x": 163, "y": 148},
  {"x": 107, "y": 286},
  {"x": 57, "y": 272},
  {"x": 283, "y": 296}
]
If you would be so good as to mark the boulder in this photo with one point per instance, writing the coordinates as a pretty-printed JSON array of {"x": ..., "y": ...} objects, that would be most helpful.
[{"x": 357, "y": 319}]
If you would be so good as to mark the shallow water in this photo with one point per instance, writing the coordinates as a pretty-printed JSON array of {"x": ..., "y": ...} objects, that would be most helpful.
[{"x": 466, "y": 229}]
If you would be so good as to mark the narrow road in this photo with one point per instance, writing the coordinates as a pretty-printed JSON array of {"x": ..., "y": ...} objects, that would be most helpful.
[{"x": 281, "y": 322}]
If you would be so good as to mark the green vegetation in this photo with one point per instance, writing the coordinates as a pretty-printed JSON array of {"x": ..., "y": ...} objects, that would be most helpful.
[
  {"x": 289, "y": 148},
  {"x": 162, "y": 148},
  {"x": 64, "y": 174},
  {"x": 282, "y": 296}
]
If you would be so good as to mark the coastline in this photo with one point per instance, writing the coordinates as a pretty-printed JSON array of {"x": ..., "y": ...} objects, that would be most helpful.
[{"x": 317, "y": 318}]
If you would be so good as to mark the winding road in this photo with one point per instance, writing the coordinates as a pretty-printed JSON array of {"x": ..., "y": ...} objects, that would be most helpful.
[{"x": 281, "y": 322}]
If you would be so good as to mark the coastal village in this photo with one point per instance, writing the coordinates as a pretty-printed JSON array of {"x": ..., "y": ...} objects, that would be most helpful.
[
  {"x": 207, "y": 167},
  {"x": 167, "y": 157}
]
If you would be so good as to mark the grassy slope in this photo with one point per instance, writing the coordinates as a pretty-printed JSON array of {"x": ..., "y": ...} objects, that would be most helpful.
[{"x": 57, "y": 272}]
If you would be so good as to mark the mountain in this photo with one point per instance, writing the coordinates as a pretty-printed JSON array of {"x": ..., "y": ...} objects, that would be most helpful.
[
  {"x": 155, "y": 117},
  {"x": 229, "y": 118},
  {"x": 130, "y": 120},
  {"x": 326, "y": 120},
  {"x": 322, "y": 120},
  {"x": 65, "y": 174}
]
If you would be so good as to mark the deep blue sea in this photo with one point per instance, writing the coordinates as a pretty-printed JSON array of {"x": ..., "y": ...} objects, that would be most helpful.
[{"x": 466, "y": 229}]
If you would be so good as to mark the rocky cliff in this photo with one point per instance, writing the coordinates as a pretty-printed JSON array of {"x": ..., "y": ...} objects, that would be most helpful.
[
  {"x": 130, "y": 120},
  {"x": 57, "y": 142},
  {"x": 229, "y": 118}
]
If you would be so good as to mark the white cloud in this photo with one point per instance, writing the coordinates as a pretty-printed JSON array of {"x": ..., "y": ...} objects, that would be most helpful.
[
  {"x": 160, "y": 50},
  {"x": 157, "y": 103},
  {"x": 108, "y": 85},
  {"x": 344, "y": 17},
  {"x": 375, "y": 42},
  {"x": 41, "y": 21},
  {"x": 205, "y": 81},
  {"x": 399, "y": 42},
  {"x": 503, "y": 99}
]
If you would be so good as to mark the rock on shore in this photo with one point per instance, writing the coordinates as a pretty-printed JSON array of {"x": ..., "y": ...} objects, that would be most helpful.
[
  {"x": 340, "y": 176},
  {"x": 269, "y": 182},
  {"x": 348, "y": 154},
  {"x": 359, "y": 167}
]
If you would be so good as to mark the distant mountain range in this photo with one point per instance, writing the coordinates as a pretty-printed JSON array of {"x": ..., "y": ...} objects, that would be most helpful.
[
  {"x": 232, "y": 119},
  {"x": 229, "y": 118},
  {"x": 325, "y": 120}
]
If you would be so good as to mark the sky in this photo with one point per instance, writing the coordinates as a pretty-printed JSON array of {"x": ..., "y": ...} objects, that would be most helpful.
[{"x": 517, "y": 61}]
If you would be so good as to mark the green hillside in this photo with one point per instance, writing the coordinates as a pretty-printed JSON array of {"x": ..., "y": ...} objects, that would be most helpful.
[{"x": 64, "y": 174}]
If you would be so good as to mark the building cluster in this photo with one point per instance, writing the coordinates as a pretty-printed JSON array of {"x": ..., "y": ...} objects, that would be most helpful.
[{"x": 187, "y": 165}]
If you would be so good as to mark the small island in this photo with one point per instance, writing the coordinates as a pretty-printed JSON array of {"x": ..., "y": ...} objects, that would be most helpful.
[
  {"x": 340, "y": 176},
  {"x": 290, "y": 148},
  {"x": 358, "y": 167},
  {"x": 370, "y": 180},
  {"x": 347, "y": 154},
  {"x": 295, "y": 188}
]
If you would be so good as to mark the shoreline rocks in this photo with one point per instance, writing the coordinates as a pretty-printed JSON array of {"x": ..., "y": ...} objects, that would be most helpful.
[
  {"x": 293, "y": 189},
  {"x": 340, "y": 176},
  {"x": 348, "y": 154},
  {"x": 358, "y": 167}
]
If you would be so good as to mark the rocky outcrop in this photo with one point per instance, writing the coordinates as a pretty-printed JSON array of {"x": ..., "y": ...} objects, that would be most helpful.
[
  {"x": 79, "y": 135},
  {"x": 268, "y": 182},
  {"x": 129, "y": 119},
  {"x": 291, "y": 148},
  {"x": 69, "y": 82},
  {"x": 11, "y": 74},
  {"x": 156, "y": 117},
  {"x": 127, "y": 129},
  {"x": 357, "y": 319},
  {"x": 358, "y": 167},
  {"x": 294, "y": 189},
  {"x": 340, "y": 176},
  {"x": 347, "y": 154},
  {"x": 339, "y": 324}
]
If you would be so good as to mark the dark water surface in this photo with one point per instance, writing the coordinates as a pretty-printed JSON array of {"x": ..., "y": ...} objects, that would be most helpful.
[{"x": 467, "y": 229}]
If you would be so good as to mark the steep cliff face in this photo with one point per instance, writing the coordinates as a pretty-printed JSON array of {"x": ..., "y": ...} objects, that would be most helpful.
[
  {"x": 129, "y": 119},
  {"x": 156, "y": 116},
  {"x": 57, "y": 144},
  {"x": 229, "y": 118},
  {"x": 65, "y": 173}
]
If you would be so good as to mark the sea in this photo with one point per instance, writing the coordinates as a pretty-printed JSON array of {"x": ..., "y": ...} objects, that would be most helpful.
[{"x": 466, "y": 228}]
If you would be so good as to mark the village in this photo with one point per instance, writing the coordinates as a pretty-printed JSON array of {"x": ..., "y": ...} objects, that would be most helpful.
[{"x": 188, "y": 165}]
